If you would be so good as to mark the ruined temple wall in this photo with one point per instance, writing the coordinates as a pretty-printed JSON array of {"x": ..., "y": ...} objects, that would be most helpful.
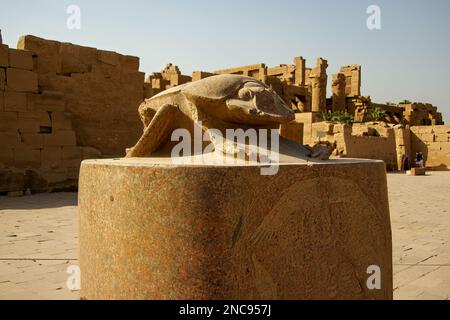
[
  {"x": 389, "y": 143},
  {"x": 368, "y": 141},
  {"x": 434, "y": 143},
  {"x": 37, "y": 141},
  {"x": 102, "y": 91},
  {"x": 59, "y": 104},
  {"x": 372, "y": 147},
  {"x": 352, "y": 74}
]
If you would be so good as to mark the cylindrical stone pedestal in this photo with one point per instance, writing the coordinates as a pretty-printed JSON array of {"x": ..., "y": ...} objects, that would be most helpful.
[{"x": 150, "y": 229}]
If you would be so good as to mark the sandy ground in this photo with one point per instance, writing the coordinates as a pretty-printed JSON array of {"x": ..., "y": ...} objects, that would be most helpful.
[{"x": 39, "y": 241}]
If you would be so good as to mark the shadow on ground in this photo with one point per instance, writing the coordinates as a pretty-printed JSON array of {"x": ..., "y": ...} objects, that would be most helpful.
[{"x": 48, "y": 200}]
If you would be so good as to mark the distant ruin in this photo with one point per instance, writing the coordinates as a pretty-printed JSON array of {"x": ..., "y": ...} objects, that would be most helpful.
[{"x": 305, "y": 90}]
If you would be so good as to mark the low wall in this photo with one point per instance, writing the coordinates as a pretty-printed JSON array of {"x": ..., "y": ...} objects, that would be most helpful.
[
  {"x": 434, "y": 143},
  {"x": 366, "y": 140}
]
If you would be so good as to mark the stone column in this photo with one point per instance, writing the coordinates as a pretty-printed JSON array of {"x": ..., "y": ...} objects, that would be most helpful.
[
  {"x": 316, "y": 92},
  {"x": 321, "y": 71},
  {"x": 338, "y": 90},
  {"x": 299, "y": 71}
]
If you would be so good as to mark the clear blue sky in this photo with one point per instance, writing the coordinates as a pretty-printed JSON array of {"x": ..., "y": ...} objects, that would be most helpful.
[{"x": 407, "y": 59}]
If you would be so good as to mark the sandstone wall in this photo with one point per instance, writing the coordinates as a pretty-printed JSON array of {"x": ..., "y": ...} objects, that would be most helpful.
[
  {"x": 386, "y": 142},
  {"x": 102, "y": 91},
  {"x": 59, "y": 104},
  {"x": 367, "y": 140},
  {"x": 434, "y": 143}
]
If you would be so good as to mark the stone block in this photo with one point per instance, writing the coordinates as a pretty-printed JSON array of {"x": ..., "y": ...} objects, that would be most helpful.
[
  {"x": 434, "y": 146},
  {"x": 73, "y": 172},
  {"x": 11, "y": 180},
  {"x": 50, "y": 101},
  {"x": 27, "y": 125},
  {"x": 61, "y": 121},
  {"x": 72, "y": 157},
  {"x": 9, "y": 139},
  {"x": 292, "y": 131},
  {"x": 47, "y": 52},
  {"x": 33, "y": 140},
  {"x": 15, "y": 101},
  {"x": 42, "y": 118},
  {"x": 21, "y": 80},
  {"x": 51, "y": 157},
  {"x": 60, "y": 138},
  {"x": 31, "y": 98},
  {"x": 54, "y": 178},
  {"x": 441, "y": 129},
  {"x": 26, "y": 157},
  {"x": 72, "y": 153},
  {"x": 56, "y": 82},
  {"x": 442, "y": 137},
  {"x": 445, "y": 147},
  {"x": 109, "y": 57},
  {"x": 77, "y": 59},
  {"x": 417, "y": 171},
  {"x": 8, "y": 116},
  {"x": 233, "y": 233},
  {"x": 21, "y": 59},
  {"x": 4, "y": 56},
  {"x": 427, "y": 137},
  {"x": 129, "y": 63},
  {"x": 91, "y": 153},
  {"x": 6, "y": 157},
  {"x": 2, "y": 79},
  {"x": 8, "y": 121}
]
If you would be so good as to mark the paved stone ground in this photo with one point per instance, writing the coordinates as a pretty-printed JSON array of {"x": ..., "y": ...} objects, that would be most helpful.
[
  {"x": 420, "y": 216},
  {"x": 38, "y": 240}
]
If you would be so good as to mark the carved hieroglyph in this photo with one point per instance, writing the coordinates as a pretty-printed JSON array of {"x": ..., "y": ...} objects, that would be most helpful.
[{"x": 219, "y": 102}]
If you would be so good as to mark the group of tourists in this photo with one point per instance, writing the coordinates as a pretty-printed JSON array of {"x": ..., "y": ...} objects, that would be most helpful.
[{"x": 406, "y": 165}]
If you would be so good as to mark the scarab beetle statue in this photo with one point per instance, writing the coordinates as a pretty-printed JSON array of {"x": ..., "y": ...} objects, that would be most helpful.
[{"x": 218, "y": 102}]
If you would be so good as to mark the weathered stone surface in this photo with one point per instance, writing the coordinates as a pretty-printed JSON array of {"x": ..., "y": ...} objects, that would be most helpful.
[
  {"x": 60, "y": 138},
  {"x": 33, "y": 140},
  {"x": 6, "y": 158},
  {"x": 21, "y": 59},
  {"x": 153, "y": 230},
  {"x": 418, "y": 171},
  {"x": 15, "y": 101},
  {"x": 77, "y": 59},
  {"x": 4, "y": 56},
  {"x": 61, "y": 121},
  {"x": 27, "y": 125},
  {"x": 8, "y": 121},
  {"x": 2, "y": 80},
  {"x": 9, "y": 139},
  {"x": 21, "y": 80},
  {"x": 11, "y": 181},
  {"x": 47, "y": 51},
  {"x": 25, "y": 157},
  {"x": 50, "y": 101},
  {"x": 51, "y": 157}
]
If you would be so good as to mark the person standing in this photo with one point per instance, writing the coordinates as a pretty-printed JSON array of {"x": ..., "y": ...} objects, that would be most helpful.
[
  {"x": 419, "y": 159},
  {"x": 405, "y": 163}
]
